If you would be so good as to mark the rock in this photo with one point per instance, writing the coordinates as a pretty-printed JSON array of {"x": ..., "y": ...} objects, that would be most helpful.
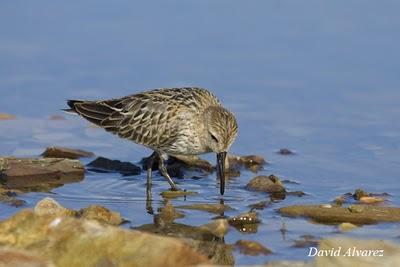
[
  {"x": 252, "y": 248},
  {"x": 296, "y": 193},
  {"x": 356, "y": 252},
  {"x": 106, "y": 165},
  {"x": 246, "y": 222},
  {"x": 371, "y": 200},
  {"x": 212, "y": 208},
  {"x": 259, "y": 205},
  {"x": 31, "y": 173},
  {"x": 356, "y": 214},
  {"x": 345, "y": 227},
  {"x": 5, "y": 116},
  {"x": 176, "y": 194},
  {"x": 19, "y": 258},
  {"x": 359, "y": 193},
  {"x": 49, "y": 206},
  {"x": 269, "y": 184},
  {"x": 101, "y": 214},
  {"x": 89, "y": 243},
  {"x": 306, "y": 241},
  {"x": 285, "y": 152},
  {"x": 289, "y": 264},
  {"x": 253, "y": 163},
  {"x": 64, "y": 152},
  {"x": 218, "y": 227},
  {"x": 200, "y": 239},
  {"x": 195, "y": 162}
]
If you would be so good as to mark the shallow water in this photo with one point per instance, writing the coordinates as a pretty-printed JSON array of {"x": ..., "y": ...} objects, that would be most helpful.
[{"x": 313, "y": 77}]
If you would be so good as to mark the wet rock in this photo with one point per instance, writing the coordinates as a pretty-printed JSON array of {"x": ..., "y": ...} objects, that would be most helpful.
[
  {"x": 340, "y": 200},
  {"x": 19, "y": 258},
  {"x": 289, "y": 264},
  {"x": 356, "y": 252},
  {"x": 195, "y": 162},
  {"x": 285, "y": 152},
  {"x": 246, "y": 222},
  {"x": 212, "y": 208},
  {"x": 356, "y": 214},
  {"x": 306, "y": 241},
  {"x": 346, "y": 227},
  {"x": 31, "y": 173},
  {"x": 64, "y": 152},
  {"x": 268, "y": 184},
  {"x": 107, "y": 165},
  {"x": 5, "y": 116},
  {"x": 200, "y": 239},
  {"x": 359, "y": 193},
  {"x": 253, "y": 163},
  {"x": 89, "y": 243},
  {"x": 49, "y": 206},
  {"x": 175, "y": 194},
  {"x": 296, "y": 193},
  {"x": 101, "y": 214},
  {"x": 252, "y": 248},
  {"x": 259, "y": 205},
  {"x": 218, "y": 227}
]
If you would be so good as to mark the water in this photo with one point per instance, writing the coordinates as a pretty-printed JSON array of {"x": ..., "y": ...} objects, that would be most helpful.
[{"x": 318, "y": 78}]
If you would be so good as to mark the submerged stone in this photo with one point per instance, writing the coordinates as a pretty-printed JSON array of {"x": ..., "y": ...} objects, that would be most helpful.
[
  {"x": 259, "y": 205},
  {"x": 64, "y": 152},
  {"x": 345, "y": 227},
  {"x": 245, "y": 222},
  {"x": 251, "y": 248},
  {"x": 218, "y": 227},
  {"x": 356, "y": 214},
  {"x": 285, "y": 152},
  {"x": 253, "y": 163},
  {"x": 175, "y": 194},
  {"x": 101, "y": 164},
  {"x": 306, "y": 241},
  {"x": 212, "y": 208}
]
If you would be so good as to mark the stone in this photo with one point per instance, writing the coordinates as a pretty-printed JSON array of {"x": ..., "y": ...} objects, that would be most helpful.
[
  {"x": 101, "y": 164},
  {"x": 218, "y": 227},
  {"x": 371, "y": 200},
  {"x": 252, "y": 248},
  {"x": 64, "y": 152},
  {"x": 246, "y": 222},
  {"x": 67, "y": 241},
  {"x": 49, "y": 206},
  {"x": 175, "y": 194},
  {"x": 285, "y": 152},
  {"x": 259, "y": 205},
  {"x": 356, "y": 214},
  {"x": 30, "y": 173},
  {"x": 268, "y": 184},
  {"x": 305, "y": 241},
  {"x": 346, "y": 227},
  {"x": 253, "y": 163},
  {"x": 101, "y": 214},
  {"x": 168, "y": 214}
]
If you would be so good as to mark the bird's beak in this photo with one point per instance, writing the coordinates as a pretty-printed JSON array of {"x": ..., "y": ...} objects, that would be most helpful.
[{"x": 221, "y": 170}]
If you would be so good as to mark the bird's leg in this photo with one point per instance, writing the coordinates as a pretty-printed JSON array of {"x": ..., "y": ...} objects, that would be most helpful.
[
  {"x": 164, "y": 172},
  {"x": 150, "y": 161}
]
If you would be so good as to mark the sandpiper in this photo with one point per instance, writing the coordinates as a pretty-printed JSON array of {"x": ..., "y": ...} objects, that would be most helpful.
[{"x": 170, "y": 121}]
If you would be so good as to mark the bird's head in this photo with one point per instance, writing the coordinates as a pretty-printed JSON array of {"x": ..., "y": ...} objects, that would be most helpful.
[{"x": 222, "y": 128}]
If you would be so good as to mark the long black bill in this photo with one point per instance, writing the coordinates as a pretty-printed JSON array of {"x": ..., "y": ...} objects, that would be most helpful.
[{"x": 221, "y": 171}]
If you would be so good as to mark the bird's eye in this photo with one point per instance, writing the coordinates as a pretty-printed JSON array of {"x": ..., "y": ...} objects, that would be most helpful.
[{"x": 214, "y": 138}]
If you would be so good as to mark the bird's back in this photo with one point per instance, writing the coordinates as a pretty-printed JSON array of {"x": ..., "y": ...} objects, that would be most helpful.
[{"x": 159, "y": 118}]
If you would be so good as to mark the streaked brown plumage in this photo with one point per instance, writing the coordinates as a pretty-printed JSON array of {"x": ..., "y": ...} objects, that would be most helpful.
[{"x": 171, "y": 121}]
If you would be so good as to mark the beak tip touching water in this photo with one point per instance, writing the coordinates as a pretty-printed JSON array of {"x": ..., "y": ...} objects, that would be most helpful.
[{"x": 221, "y": 170}]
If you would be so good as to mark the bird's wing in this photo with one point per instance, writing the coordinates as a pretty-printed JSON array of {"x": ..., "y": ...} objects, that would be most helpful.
[{"x": 149, "y": 118}]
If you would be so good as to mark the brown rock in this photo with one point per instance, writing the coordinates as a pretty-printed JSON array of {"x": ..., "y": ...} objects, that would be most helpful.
[
  {"x": 101, "y": 164},
  {"x": 175, "y": 194},
  {"x": 168, "y": 214},
  {"x": 371, "y": 200},
  {"x": 245, "y": 222},
  {"x": 49, "y": 206},
  {"x": 306, "y": 241},
  {"x": 268, "y": 184},
  {"x": 253, "y": 163},
  {"x": 64, "y": 152},
  {"x": 285, "y": 152},
  {"x": 252, "y": 248},
  {"x": 218, "y": 227},
  {"x": 101, "y": 214},
  {"x": 67, "y": 241},
  {"x": 356, "y": 214},
  {"x": 25, "y": 173}
]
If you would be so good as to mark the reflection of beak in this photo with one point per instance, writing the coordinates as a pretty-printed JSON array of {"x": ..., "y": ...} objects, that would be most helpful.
[{"x": 221, "y": 170}]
